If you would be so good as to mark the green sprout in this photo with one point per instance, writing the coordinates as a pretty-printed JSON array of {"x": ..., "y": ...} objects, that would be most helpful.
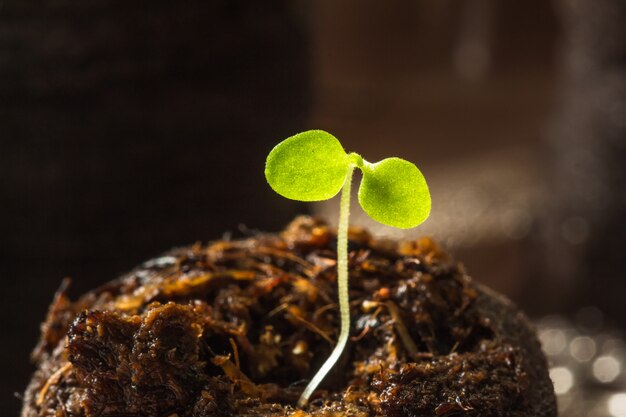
[{"x": 313, "y": 166}]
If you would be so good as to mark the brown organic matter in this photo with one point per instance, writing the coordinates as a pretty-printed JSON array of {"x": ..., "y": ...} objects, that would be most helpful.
[{"x": 236, "y": 328}]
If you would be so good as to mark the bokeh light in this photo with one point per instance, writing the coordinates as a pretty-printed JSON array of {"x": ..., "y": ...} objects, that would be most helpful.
[{"x": 562, "y": 378}]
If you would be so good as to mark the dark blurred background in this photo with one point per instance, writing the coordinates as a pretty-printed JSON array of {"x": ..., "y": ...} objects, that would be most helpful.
[{"x": 129, "y": 127}]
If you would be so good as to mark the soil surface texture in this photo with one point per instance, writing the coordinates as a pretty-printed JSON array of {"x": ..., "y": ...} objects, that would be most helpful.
[{"x": 238, "y": 327}]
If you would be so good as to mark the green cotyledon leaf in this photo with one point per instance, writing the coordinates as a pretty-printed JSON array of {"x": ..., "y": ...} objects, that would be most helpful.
[
  {"x": 309, "y": 166},
  {"x": 394, "y": 192}
]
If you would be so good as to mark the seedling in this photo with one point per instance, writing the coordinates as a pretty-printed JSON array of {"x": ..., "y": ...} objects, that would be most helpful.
[{"x": 313, "y": 166}]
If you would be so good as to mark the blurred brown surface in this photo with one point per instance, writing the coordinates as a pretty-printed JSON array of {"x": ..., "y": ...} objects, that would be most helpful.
[
  {"x": 515, "y": 114},
  {"x": 466, "y": 91},
  {"x": 586, "y": 234}
]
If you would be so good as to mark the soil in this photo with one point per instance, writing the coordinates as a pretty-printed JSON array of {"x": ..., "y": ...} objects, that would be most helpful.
[{"x": 237, "y": 328}]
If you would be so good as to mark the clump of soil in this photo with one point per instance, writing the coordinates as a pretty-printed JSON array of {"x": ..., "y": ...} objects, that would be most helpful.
[{"x": 237, "y": 328}]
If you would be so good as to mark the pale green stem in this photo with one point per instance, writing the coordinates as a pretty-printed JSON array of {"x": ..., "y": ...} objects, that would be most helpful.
[{"x": 342, "y": 283}]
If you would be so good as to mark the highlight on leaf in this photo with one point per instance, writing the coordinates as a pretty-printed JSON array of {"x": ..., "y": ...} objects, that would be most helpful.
[
  {"x": 394, "y": 192},
  {"x": 309, "y": 166}
]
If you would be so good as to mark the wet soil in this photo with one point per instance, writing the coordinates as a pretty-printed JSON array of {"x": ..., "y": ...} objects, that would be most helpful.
[{"x": 237, "y": 328}]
